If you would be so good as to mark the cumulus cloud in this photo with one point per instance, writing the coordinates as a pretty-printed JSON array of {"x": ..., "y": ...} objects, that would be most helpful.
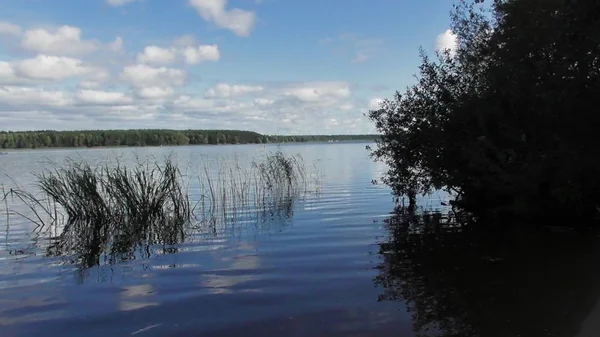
[
  {"x": 318, "y": 92},
  {"x": 7, "y": 28},
  {"x": 98, "y": 97},
  {"x": 347, "y": 106},
  {"x": 224, "y": 90},
  {"x": 118, "y": 3},
  {"x": 375, "y": 103},
  {"x": 7, "y": 74},
  {"x": 46, "y": 67},
  {"x": 151, "y": 93},
  {"x": 195, "y": 55},
  {"x": 186, "y": 103},
  {"x": 116, "y": 45},
  {"x": 22, "y": 97},
  {"x": 155, "y": 92},
  {"x": 446, "y": 41},
  {"x": 267, "y": 111},
  {"x": 64, "y": 40},
  {"x": 157, "y": 55},
  {"x": 239, "y": 21},
  {"x": 89, "y": 84},
  {"x": 263, "y": 102},
  {"x": 190, "y": 54},
  {"x": 143, "y": 76}
]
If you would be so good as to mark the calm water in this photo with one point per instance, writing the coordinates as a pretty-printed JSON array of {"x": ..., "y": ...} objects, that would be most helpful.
[{"x": 336, "y": 262}]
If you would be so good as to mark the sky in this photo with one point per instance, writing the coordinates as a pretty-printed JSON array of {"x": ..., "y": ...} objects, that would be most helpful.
[{"x": 270, "y": 66}]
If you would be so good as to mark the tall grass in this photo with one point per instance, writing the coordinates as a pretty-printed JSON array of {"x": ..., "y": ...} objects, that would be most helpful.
[
  {"x": 118, "y": 211},
  {"x": 264, "y": 186}
]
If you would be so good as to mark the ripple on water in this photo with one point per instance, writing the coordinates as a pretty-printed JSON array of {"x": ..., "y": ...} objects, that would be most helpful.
[{"x": 307, "y": 272}]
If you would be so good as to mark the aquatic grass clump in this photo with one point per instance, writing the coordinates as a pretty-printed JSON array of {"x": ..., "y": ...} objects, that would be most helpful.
[
  {"x": 146, "y": 193},
  {"x": 281, "y": 174},
  {"x": 118, "y": 194},
  {"x": 263, "y": 186},
  {"x": 77, "y": 188},
  {"x": 115, "y": 208},
  {"x": 117, "y": 212}
]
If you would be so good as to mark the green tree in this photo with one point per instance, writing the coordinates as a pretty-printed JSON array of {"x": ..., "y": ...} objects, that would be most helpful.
[{"x": 501, "y": 119}]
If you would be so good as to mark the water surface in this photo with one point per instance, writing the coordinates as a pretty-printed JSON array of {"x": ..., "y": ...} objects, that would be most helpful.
[
  {"x": 308, "y": 271},
  {"x": 337, "y": 261}
]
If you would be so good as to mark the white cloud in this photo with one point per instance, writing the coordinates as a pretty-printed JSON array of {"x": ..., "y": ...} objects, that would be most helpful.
[
  {"x": 224, "y": 90},
  {"x": 89, "y": 84},
  {"x": 118, "y": 3},
  {"x": 347, "y": 107},
  {"x": 160, "y": 107},
  {"x": 318, "y": 92},
  {"x": 45, "y": 67},
  {"x": 64, "y": 40},
  {"x": 374, "y": 103},
  {"x": 446, "y": 41},
  {"x": 155, "y": 92},
  {"x": 157, "y": 55},
  {"x": 7, "y": 28},
  {"x": 143, "y": 76},
  {"x": 116, "y": 45},
  {"x": 97, "y": 97},
  {"x": 18, "y": 97},
  {"x": 6, "y": 70},
  {"x": 7, "y": 74},
  {"x": 239, "y": 21},
  {"x": 186, "y": 103},
  {"x": 189, "y": 54},
  {"x": 48, "y": 68},
  {"x": 261, "y": 102},
  {"x": 195, "y": 55}
]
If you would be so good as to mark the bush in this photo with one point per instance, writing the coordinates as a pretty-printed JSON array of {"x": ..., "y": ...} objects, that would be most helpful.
[{"x": 501, "y": 120}]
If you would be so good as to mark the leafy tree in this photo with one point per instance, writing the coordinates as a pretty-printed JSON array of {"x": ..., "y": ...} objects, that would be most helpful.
[{"x": 502, "y": 120}]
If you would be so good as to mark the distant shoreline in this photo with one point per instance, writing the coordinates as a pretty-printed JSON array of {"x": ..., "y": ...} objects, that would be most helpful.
[{"x": 49, "y": 139}]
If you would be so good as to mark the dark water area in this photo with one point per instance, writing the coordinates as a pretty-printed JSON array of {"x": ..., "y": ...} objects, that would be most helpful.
[
  {"x": 456, "y": 283},
  {"x": 339, "y": 261}
]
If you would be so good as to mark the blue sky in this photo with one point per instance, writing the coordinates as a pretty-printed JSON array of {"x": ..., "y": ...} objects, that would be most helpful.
[{"x": 272, "y": 66}]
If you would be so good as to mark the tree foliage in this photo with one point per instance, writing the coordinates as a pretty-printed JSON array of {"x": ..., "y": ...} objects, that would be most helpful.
[
  {"x": 321, "y": 138},
  {"x": 95, "y": 138},
  {"x": 507, "y": 119}
]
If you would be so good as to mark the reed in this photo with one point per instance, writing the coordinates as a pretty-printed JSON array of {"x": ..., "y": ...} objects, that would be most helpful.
[{"x": 118, "y": 211}]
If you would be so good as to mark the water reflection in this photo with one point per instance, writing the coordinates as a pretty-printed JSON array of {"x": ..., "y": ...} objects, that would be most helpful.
[
  {"x": 459, "y": 283},
  {"x": 86, "y": 244}
]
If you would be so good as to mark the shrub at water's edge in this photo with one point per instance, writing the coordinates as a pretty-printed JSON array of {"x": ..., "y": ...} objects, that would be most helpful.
[
  {"x": 504, "y": 120},
  {"x": 118, "y": 211}
]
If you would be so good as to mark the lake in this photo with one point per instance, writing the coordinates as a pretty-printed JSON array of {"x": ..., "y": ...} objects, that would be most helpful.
[{"x": 336, "y": 260}]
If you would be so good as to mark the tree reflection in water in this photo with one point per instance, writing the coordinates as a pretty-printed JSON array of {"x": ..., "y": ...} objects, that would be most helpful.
[{"x": 457, "y": 282}]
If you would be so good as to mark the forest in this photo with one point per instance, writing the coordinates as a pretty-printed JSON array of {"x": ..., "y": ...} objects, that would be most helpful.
[{"x": 112, "y": 138}]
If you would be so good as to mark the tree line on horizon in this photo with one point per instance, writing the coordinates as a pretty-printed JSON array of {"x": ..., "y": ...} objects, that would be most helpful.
[{"x": 155, "y": 137}]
